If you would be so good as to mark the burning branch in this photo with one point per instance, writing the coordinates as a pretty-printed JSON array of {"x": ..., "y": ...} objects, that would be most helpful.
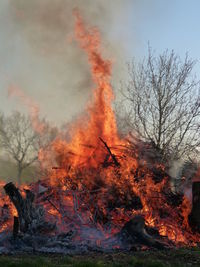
[{"x": 110, "y": 153}]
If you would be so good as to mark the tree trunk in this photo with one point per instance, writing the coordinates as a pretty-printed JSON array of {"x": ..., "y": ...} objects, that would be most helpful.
[{"x": 19, "y": 173}]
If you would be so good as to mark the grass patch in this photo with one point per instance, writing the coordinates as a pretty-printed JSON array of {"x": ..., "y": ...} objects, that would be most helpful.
[
  {"x": 137, "y": 262},
  {"x": 168, "y": 258},
  {"x": 25, "y": 262}
]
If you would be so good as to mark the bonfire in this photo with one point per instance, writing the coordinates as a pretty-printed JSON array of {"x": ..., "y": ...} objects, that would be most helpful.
[{"x": 100, "y": 193}]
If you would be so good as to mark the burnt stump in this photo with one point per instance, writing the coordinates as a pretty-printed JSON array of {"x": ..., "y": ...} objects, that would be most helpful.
[{"x": 194, "y": 216}]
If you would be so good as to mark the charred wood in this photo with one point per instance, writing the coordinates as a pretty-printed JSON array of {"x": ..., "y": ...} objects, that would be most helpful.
[
  {"x": 31, "y": 217},
  {"x": 115, "y": 161},
  {"x": 15, "y": 227},
  {"x": 5, "y": 213},
  {"x": 135, "y": 232},
  {"x": 159, "y": 174},
  {"x": 173, "y": 199},
  {"x": 194, "y": 216},
  {"x": 19, "y": 204}
]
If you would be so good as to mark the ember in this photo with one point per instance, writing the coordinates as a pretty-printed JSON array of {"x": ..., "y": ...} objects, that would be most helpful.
[{"x": 99, "y": 194}]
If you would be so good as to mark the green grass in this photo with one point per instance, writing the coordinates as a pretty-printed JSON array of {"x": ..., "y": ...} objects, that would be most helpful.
[
  {"x": 49, "y": 262},
  {"x": 169, "y": 258},
  {"x": 46, "y": 262},
  {"x": 137, "y": 262}
]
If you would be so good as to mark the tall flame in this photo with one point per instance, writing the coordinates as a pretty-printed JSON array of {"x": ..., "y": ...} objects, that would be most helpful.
[{"x": 99, "y": 122}]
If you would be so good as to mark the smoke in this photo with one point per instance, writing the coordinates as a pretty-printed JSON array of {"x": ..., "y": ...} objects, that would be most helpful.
[{"x": 52, "y": 69}]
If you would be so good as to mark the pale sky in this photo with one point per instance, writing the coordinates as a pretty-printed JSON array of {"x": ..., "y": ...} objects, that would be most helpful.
[{"x": 38, "y": 54}]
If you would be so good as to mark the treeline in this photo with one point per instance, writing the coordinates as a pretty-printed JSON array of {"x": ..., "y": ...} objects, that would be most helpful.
[{"x": 21, "y": 141}]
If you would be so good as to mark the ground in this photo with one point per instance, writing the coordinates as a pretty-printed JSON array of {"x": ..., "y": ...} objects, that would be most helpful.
[{"x": 169, "y": 258}]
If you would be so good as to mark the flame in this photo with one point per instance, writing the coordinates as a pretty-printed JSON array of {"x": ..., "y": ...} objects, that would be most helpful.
[{"x": 85, "y": 147}]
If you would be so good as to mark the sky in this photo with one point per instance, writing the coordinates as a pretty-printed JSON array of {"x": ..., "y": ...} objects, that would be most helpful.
[{"x": 39, "y": 55}]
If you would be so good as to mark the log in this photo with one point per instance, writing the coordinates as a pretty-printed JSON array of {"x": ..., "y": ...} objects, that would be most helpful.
[
  {"x": 134, "y": 232},
  {"x": 31, "y": 217},
  {"x": 194, "y": 216},
  {"x": 19, "y": 204},
  {"x": 15, "y": 227}
]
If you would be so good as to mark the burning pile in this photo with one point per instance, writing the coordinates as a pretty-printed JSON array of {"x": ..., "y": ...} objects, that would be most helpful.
[{"x": 100, "y": 191}]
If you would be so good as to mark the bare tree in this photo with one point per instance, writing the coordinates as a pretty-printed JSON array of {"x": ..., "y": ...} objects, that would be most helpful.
[
  {"x": 20, "y": 141},
  {"x": 163, "y": 103}
]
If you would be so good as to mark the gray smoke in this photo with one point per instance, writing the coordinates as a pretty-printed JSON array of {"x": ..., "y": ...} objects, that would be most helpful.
[{"x": 51, "y": 68}]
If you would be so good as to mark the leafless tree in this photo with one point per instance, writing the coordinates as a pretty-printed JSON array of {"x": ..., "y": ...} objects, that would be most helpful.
[
  {"x": 20, "y": 141},
  {"x": 162, "y": 103}
]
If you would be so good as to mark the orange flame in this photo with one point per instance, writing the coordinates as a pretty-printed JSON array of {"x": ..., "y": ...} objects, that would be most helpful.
[{"x": 99, "y": 121}]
